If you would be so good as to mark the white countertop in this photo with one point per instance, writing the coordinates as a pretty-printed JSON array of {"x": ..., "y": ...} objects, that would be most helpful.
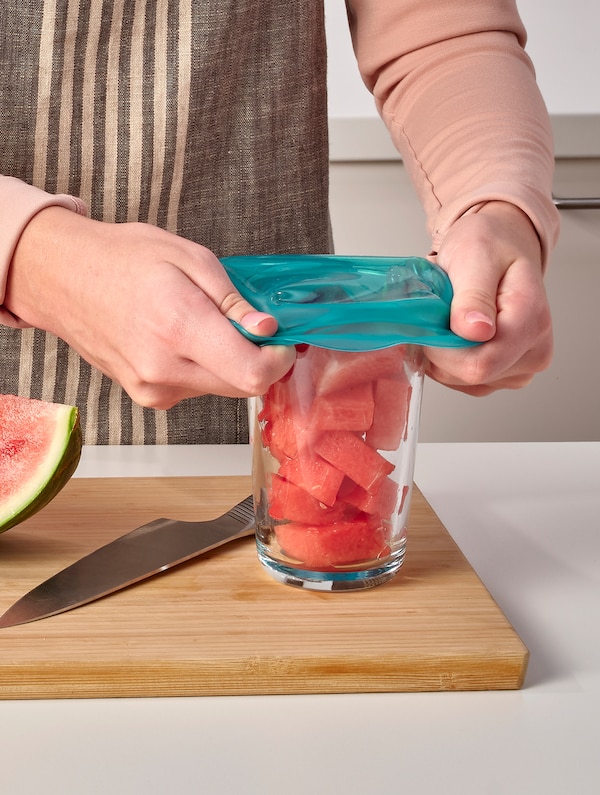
[{"x": 527, "y": 518}]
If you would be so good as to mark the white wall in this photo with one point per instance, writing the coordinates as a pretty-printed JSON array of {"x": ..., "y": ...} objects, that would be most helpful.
[{"x": 563, "y": 43}]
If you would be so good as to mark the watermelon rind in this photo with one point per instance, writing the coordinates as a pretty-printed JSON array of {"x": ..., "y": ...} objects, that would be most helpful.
[{"x": 60, "y": 462}]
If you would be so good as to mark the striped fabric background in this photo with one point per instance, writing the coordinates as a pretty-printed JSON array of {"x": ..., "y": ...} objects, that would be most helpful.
[{"x": 205, "y": 117}]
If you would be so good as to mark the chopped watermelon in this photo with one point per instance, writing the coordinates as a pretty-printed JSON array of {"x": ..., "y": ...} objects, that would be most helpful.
[
  {"x": 381, "y": 504},
  {"x": 331, "y": 497},
  {"x": 390, "y": 415},
  {"x": 337, "y": 370},
  {"x": 283, "y": 437},
  {"x": 313, "y": 474},
  {"x": 276, "y": 403},
  {"x": 290, "y": 502},
  {"x": 355, "y": 458},
  {"x": 349, "y": 409},
  {"x": 330, "y": 546}
]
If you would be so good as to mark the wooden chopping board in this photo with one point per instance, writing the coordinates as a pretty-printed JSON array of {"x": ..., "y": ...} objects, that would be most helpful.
[{"x": 219, "y": 625}]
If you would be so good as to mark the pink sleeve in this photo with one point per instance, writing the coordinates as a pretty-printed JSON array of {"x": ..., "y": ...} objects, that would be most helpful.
[
  {"x": 458, "y": 94},
  {"x": 19, "y": 202}
]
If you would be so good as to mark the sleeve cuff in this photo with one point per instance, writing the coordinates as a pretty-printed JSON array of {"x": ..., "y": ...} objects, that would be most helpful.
[
  {"x": 19, "y": 203},
  {"x": 536, "y": 205}
]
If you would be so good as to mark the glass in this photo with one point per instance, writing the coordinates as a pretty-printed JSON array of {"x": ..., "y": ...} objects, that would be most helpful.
[{"x": 333, "y": 458}]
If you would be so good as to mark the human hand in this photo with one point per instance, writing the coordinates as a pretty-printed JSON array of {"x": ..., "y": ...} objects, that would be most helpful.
[
  {"x": 146, "y": 307},
  {"x": 493, "y": 259}
]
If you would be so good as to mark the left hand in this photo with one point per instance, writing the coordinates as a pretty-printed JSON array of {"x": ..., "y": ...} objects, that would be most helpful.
[{"x": 493, "y": 259}]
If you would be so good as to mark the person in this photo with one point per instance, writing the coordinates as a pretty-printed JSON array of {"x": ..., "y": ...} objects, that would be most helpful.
[{"x": 143, "y": 141}]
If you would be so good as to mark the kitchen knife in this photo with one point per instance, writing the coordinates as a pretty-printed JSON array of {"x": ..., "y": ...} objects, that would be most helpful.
[{"x": 150, "y": 549}]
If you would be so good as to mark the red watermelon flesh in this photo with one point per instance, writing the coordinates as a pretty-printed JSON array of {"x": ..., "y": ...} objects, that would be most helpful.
[
  {"x": 331, "y": 546},
  {"x": 290, "y": 502},
  {"x": 276, "y": 403},
  {"x": 284, "y": 438},
  {"x": 355, "y": 458},
  {"x": 349, "y": 409},
  {"x": 313, "y": 474},
  {"x": 324, "y": 424},
  {"x": 40, "y": 446},
  {"x": 390, "y": 415},
  {"x": 381, "y": 504},
  {"x": 337, "y": 370}
]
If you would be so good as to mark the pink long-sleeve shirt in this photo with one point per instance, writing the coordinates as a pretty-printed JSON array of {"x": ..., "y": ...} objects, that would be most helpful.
[{"x": 458, "y": 94}]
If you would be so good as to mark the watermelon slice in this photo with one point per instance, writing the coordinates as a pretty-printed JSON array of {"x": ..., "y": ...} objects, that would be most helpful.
[{"x": 40, "y": 447}]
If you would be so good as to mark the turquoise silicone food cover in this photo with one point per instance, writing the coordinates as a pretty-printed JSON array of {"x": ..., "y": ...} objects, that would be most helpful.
[{"x": 347, "y": 303}]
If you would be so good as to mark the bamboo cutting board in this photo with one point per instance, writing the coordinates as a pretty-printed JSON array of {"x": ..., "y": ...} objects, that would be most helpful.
[{"x": 219, "y": 625}]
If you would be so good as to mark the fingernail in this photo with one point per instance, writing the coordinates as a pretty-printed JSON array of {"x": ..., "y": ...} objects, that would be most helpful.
[
  {"x": 478, "y": 317},
  {"x": 253, "y": 319}
]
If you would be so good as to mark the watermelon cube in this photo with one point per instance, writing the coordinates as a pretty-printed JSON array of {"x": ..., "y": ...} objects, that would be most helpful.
[
  {"x": 290, "y": 396},
  {"x": 275, "y": 402},
  {"x": 350, "y": 409},
  {"x": 285, "y": 438},
  {"x": 381, "y": 504},
  {"x": 337, "y": 370},
  {"x": 320, "y": 547},
  {"x": 390, "y": 415},
  {"x": 287, "y": 501},
  {"x": 313, "y": 474},
  {"x": 349, "y": 453}
]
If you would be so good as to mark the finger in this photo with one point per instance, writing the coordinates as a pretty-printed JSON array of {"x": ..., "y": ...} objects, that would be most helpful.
[
  {"x": 475, "y": 280},
  {"x": 509, "y": 361},
  {"x": 216, "y": 284},
  {"x": 190, "y": 380},
  {"x": 228, "y": 362},
  {"x": 157, "y": 387},
  {"x": 197, "y": 349},
  {"x": 258, "y": 323},
  {"x": 478, "y": 379}
]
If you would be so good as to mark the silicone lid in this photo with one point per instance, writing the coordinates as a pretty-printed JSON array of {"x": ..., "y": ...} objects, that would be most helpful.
[{"x": 347, "y": 303}]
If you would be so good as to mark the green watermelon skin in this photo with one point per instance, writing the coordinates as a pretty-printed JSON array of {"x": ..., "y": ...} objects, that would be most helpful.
[{"x": 58, "y": 476}]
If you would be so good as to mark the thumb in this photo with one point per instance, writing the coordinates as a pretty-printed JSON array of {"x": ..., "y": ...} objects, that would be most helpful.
[
  {"x": 473, "y": 314},
  {"x": 259, "y": 323},
  {"x": 220, "y": 289},
  {"x": 474, "y": 305}
]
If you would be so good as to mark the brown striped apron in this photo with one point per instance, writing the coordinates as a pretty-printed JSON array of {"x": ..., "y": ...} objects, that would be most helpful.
[{"x": 205, "y": 117}]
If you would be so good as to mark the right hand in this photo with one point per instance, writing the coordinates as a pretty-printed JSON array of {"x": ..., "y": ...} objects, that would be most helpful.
[{"x": 149, "y": 309}]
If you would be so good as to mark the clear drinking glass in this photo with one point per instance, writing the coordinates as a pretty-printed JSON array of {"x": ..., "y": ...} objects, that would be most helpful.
[{"x": 333, "y": 458}]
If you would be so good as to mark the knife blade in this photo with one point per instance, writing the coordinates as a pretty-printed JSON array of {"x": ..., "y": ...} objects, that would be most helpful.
[{"x": 147, "y": 550}]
